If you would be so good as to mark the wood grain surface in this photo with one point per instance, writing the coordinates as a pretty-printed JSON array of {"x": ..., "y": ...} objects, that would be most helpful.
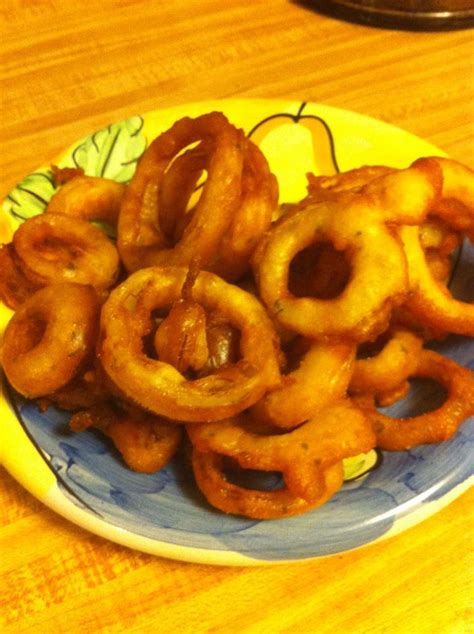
[{"x": 70, "y": 67}]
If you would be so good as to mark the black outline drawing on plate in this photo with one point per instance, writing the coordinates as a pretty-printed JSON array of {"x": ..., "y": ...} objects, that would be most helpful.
[{"x": 323, "y": 140}]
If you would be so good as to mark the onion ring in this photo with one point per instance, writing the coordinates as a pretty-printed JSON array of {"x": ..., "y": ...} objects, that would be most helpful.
[
  {"x": 259, "y": 199},
  {"x": 321, "y": 379},
  {"x": 51, "y": 249},
  {"x": 337, "y": 432},
  {"x": 230, "y": 498},
  {"x": 456, "y": 203},
  {"x": 15, "y": 287},
  {"x": 179, "y": 183},
  {"x": 355, "y": 223},
  {"x": 158, "y": 386},
  {"x": 390, "y": 367},
  {"x": 141, "y": 240},
  {"x": 49, "y": 338},
  {"x": 433, "y": 427},
  {"x": 429, "y": 299},
  {"x": 375, "y": 254},
  {"x": 89, "y": 198},
  {"x": 321, "y": 187}
]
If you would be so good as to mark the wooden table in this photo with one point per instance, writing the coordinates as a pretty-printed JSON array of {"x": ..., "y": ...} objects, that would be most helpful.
[{"x": 70, "y": 67}]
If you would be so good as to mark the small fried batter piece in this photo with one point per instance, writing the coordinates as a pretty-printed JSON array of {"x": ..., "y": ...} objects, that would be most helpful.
[{"x": 147, "y": 442}]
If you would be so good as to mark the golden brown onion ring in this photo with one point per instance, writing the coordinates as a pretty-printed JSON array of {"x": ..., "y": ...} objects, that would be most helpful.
[
  {"x": 430, "y": 305},
  {"x": 141, "y": 240},
  {"x": 456, "y": 203},
  {"x": 177, "y": 187},
  {"x": 15, "y": 287},
  {"x": 390, "y": 367},
  {"x": 357, "y": 223},
  {"x": 337, "y": 432},
  {"x": 259, "y": 199},
  {"x": 158, "y": 386},
  {"x": 321, "y": 379},
  {"x": 320, "y": 187},
  {"x": 89, "y": 198},
  {"x": 435, "y": 426},
  {"x": 51, "y": 249},
  {"x": 211, "y": 479},
  {"x": 49, "y": 338},
  {"x": 429, "y": 300},
  {"x": 378, "y": 283}
]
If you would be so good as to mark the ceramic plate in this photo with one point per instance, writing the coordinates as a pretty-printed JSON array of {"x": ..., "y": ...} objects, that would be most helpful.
[{"x": 82, "y": 477}]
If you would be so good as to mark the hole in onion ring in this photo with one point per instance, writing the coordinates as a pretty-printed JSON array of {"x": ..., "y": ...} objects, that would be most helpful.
[
  {"x": 252, "y": 479},
  {"x": 191, "y": 205},
  {"x": 294, "y": 351},
  {"x": 371, "y": 349},
  {"x": 223, "y": 341},
  {"x": 425, "y": 395},
  {"x": 461, "y": 284},
  {"x": 181, "y": 189},
  {"x": 60, "y": 252},
  {"x": 319, "y": 271},
  {"x": 156, "y": 317},
  {"x": 30, "y": 333}
]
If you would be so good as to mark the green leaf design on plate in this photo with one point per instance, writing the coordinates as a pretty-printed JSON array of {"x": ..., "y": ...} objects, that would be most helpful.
[
  {"x": 30, "y": 196},
  {"x": 111, "y": 152}
]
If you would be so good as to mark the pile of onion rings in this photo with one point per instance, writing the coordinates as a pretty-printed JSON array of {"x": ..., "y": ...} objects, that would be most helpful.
[{"x": 248, "y": 336}]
